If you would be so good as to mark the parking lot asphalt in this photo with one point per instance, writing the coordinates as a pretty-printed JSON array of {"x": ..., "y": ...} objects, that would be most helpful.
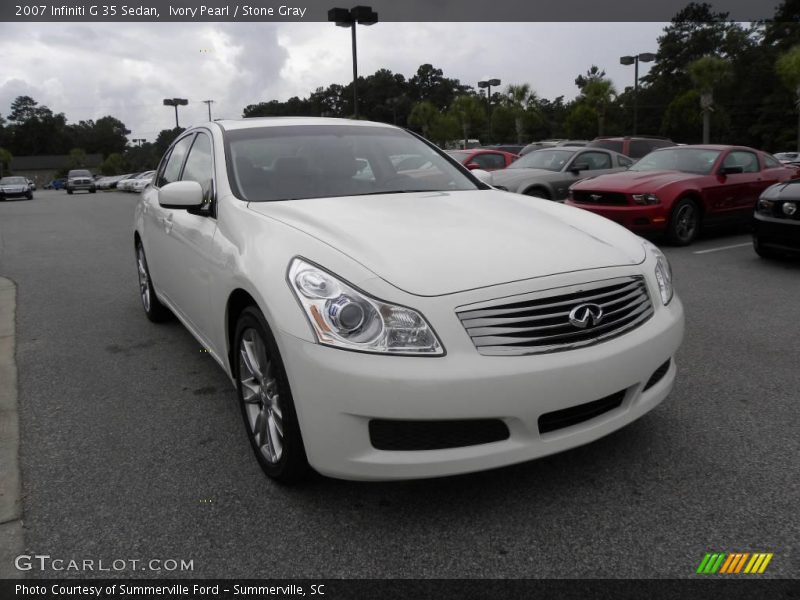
[{"x": 132, "y": 445}]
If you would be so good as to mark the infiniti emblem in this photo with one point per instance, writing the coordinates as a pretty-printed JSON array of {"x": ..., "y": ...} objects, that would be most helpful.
[{"x": 586, "y": 315}]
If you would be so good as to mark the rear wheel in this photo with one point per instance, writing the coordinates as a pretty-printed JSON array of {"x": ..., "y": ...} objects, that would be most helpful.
[
  {"x": 684, "y": 223},
  {"x": 266, "y": 400},
  {"x": 155, "y": 311}
]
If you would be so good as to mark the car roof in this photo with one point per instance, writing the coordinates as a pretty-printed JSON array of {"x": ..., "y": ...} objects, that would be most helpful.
[
  {"x": 256, "y": 122},
  {"x": 708, "y": 147}
]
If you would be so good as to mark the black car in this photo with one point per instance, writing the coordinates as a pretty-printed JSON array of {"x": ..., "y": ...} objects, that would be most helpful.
[{"x": 776, "y": 223}]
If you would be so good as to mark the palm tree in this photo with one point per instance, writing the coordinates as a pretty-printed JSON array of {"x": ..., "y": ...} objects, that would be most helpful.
[
  {"x": 707, "y": 73},
  {"x": 599, "y": 93},
  {"x": 788, "y": 68},
  {"x": 469, "y": 113},
  {"x": 519, "y": 98}
]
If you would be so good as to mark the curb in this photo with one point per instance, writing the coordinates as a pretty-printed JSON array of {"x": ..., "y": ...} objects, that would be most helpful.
[{"x": 11, "y": 535}]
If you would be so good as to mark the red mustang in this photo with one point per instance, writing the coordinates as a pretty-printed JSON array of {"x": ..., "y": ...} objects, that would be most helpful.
[
  {"x": 679, "y": 189},
  {"x": 483, "y": 158}
]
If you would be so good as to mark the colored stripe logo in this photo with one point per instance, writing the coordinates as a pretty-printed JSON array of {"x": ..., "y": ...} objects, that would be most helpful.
[{"x": 733, "y": 563}]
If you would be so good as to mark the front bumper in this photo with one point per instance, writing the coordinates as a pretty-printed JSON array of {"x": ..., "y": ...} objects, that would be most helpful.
[
  {"x": 642, "y": 219},
  {"x": 16, "y": 193},
  {"x": 82, "y": 185},
  {"x": 781, "y": 234},
  {"x": 337, "y": 393}
]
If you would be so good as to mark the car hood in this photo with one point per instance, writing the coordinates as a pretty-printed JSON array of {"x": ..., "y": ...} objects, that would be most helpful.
[
  {"x": 631, "y": 181},
  {"x": 436, "y": 243},
  {"x": 508, "y": 177}
]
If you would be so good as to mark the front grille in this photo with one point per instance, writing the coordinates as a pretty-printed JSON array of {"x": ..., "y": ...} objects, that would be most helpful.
[
  {"x": 542, "y": 324},
  {"x": 573, "y": 415},
  {"x": 607, "y": 198},
  {"x": 657, "y": 375},
  {"x": 434, "y": 435}
]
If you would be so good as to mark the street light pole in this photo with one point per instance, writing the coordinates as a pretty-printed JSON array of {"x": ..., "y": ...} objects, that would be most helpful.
[
  {"x": 488, "y": 85},
  {"x": 634, "y": 60},
  {"x": 176, "y": 102},
  {"x": 348, "y": 18},
  {"x": 208, "y": 103}
]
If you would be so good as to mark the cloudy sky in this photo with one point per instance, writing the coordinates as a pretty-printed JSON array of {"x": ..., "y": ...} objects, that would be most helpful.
[{"x": 89, "y": 70}]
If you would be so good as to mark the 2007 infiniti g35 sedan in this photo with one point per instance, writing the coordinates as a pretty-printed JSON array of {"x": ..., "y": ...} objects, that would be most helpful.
[{"x": 387, "y": 318}]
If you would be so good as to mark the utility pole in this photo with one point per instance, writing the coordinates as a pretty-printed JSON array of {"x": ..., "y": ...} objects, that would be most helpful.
[{"x": 208, "y": 103}]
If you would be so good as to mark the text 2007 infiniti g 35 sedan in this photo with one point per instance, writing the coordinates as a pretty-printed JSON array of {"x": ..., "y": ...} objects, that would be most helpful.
[{"x": 382, "y": 323}]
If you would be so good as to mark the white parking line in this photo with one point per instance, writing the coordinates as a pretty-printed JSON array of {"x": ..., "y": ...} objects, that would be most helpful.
[{"x": 723, "y": 248}]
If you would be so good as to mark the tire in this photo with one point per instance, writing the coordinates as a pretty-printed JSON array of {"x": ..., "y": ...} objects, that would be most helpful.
[
  {"x": 266, "y": 401},
  {"x": 538, "y": 193},
  {"x": 29, "y": 196},
  {"x": 93, "y": 190},
  {"x": 684, "y": 223},
  {"x": 69, "y": 191},
  {"x": 764, "y": 251},
  {"x": 155, "y": 311}
]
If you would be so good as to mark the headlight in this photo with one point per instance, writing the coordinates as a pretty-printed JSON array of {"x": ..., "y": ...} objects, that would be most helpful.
[
  {"x": 764, "y": 206},
  {"x": 663, "y": 273},
  {"x": 345, "y": 317},
  {"x": 645, "y": 198}
]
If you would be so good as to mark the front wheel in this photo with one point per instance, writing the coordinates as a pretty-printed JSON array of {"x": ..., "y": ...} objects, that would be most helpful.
[
  {"x": 684, "y": 223},
  {"x": 266, "y": 400},
  {"x": 155, "y": 311},
  {"x": 69, "y": 191},
  {"x": 538, "y": 193}
]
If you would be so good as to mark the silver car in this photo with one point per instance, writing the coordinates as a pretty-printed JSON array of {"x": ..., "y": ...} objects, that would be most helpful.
[
  {"x": 80, "y": 179},
  {"x": 548, "y": 173}
]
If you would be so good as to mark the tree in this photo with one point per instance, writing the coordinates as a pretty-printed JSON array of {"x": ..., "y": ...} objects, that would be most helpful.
[
  {"x": 520, "y": 98},
  {"x": 469, "y": 113},
  {"x": 598, "y": 93},
  {"x": 423, "y": 116},
  {"x": 593, "y": 74},
  {"x": 114, "y": 164},
  {"x": 5, "y": 162},
  {"x": 788, "y": 68},
  {"x": 707, "y": 73}
]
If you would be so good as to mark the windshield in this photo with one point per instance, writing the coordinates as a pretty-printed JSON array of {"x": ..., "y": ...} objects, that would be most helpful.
[
  {"x": 79, "y": 174},
  {"x": 13, "y": 181},
  {"x": 550, "y": 160},
  {"x": 316, "y": 161},
  {"x": 686, "y": 160}
]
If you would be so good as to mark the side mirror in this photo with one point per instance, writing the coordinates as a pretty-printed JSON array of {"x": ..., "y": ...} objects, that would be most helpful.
[
  {"x": 730, "y": 170},
  {"x": 472, "y": 166},
  {"x": 578, "y": 167},
  {"x": 181, "y": 195},
  {"x": 483, "y": 176}
]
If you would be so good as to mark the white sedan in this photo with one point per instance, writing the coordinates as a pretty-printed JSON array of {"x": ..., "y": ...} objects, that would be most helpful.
[{"x": 384, "y": 325}]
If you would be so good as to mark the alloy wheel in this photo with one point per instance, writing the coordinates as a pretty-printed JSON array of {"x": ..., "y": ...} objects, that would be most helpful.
[{"x": 261, "y": 396}]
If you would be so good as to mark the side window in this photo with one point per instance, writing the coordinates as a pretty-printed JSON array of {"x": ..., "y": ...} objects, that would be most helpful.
[
  {"x": 747, "y": 160},
  {"x": 639, "y": 148},
  {"x": 199, "y": 165},
  {"x": 770, "y": 162},
  {"x": 172, "y": 168},
  {"x": 595, "y": 160},
  {"x": 490, "y": 161},
  {"x": 624, "y": 161}
]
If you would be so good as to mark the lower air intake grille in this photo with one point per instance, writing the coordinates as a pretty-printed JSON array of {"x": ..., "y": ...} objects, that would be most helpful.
[
  {"x": 435, "y": 435},
  {"x": 578, "y": 414},
  {"x": 657, "y": 375}
]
